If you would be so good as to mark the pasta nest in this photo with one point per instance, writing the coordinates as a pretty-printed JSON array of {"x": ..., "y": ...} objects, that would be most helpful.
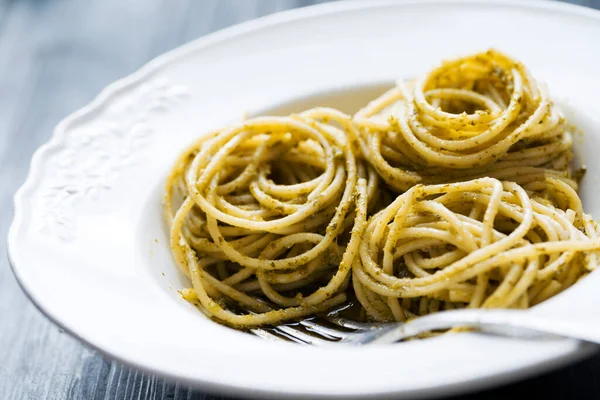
[
  {"x": 270, "y": 214},
  {"x": 479, "y": 243},
  {"x": 481, "y": 115}
]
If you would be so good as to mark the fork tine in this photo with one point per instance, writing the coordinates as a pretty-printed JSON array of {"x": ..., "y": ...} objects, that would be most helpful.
[
  {"x": 264, "y": 334},
  {"x": 301, "y": 337},
  {"x": 375, "y": 335},
  {"x": 289, "y": 337},
  {"x": 360, "y": 326},
  {"x": 323, "y": 330},
  {"x": 270, "y": 337}
]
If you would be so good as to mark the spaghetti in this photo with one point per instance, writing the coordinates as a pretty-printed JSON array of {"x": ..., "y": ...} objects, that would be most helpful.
[
  {"x": 480, "y": 243},
  {"x": 452, "y": 190},
  {"x": 482, "y": 115},
  {"x": 274, "y": 205}
]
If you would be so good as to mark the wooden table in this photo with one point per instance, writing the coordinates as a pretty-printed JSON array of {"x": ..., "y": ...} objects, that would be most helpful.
[{"x": 55, "y": 57}]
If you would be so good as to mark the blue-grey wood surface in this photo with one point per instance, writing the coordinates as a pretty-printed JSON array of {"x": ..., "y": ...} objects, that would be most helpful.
[{"x": 55, "y": 56}]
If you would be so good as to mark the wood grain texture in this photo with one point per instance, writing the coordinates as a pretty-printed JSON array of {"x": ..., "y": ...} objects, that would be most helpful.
[{"x": 55, "y": 56}]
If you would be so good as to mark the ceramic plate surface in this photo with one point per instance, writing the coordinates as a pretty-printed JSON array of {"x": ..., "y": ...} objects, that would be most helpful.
[{"x": 89, "y": 246}]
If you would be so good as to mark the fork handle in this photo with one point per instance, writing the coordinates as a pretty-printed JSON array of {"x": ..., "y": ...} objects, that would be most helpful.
[{"x": 512, "y": 323}]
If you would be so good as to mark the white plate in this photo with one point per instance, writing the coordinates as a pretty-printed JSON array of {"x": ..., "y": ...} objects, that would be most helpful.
[{"x": 89, "y": 246}]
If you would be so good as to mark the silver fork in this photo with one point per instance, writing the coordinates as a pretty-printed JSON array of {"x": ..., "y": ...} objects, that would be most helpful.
[{"x": 510, "y": 323}]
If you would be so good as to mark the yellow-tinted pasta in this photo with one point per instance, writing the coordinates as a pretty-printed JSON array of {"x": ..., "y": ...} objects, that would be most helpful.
[
  {"x": 479, "y": 243},
  {"x": 482, "y": 115},
  {"x": 275, "y": 206},
  {"x": 451, "y": 190}
]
